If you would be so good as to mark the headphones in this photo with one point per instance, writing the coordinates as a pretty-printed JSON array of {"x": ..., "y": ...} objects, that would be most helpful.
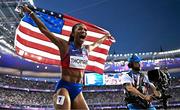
[{"x": 130, "y": 65}]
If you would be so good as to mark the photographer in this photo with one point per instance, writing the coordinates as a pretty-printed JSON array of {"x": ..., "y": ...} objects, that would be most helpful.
[{"x": 137, "y": 86}]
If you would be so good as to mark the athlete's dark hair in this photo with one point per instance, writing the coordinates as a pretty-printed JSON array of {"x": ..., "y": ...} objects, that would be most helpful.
[{"x": 71, "y": 39}]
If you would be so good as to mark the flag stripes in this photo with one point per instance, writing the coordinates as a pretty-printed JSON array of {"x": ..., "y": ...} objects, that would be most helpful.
[{"x": 32, "y": 44}]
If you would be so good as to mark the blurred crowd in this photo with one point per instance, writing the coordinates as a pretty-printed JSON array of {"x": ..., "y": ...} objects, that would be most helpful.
[
  {"x": 94, "y": 95},
  {"x": 104, "y": 97},
  {"x": 6, "y": 80},
  {"x": 9, "y": 96}
]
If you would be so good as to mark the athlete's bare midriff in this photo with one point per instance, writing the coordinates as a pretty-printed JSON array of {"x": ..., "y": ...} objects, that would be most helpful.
[{"x": 72, "y": 75}]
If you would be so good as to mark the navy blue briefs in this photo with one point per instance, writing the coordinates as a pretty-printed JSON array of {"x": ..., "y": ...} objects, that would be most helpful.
[{"x": 73, "y": 88}]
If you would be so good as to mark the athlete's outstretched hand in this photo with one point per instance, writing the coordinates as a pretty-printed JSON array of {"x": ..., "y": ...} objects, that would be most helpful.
[
  {"x": 110, "y": 37},
  {"x": 26, "y": 9}
]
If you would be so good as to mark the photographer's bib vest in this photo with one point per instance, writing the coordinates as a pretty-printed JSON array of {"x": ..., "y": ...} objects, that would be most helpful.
[{"x": 139, "y": 81}]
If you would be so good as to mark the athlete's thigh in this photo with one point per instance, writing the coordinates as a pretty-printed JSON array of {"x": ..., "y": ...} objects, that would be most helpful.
[
  {"x": 80, "y": 103},
  {"x": 62, "y": 100}
]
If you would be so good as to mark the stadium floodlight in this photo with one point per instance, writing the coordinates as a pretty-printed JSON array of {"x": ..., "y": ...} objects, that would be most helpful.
[
  {"x": 170, "y": 52},
  {"x": 147, "y": 53},
  {"x": 155, "y": 53}
]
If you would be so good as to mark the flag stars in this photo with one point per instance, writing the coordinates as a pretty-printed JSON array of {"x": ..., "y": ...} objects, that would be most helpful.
[
  {"x": 60, "y": 23},
  {"x": 52, "y": 21},
  {"x": 52, "y": 13},
  {"x": 43, "y": 11},
  {"x": 57, "y": 19},
  {"x": 50, "y": 26},
  {"x": 35, "y": 7}
]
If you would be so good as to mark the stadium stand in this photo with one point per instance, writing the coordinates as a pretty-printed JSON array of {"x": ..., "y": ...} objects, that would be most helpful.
[{"x": 16, "y": 94}]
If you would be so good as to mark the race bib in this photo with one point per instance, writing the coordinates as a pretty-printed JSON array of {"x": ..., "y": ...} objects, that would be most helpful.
[
  {"x": 78, "y": 62},
  {"x": 60, "y": 100}
]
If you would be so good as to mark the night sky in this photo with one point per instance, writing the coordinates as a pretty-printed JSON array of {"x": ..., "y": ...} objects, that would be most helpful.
[{"x": 137, "y": 25}]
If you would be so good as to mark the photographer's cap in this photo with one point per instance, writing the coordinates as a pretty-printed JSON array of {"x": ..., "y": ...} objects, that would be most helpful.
[{"x": 134, "y": 58}]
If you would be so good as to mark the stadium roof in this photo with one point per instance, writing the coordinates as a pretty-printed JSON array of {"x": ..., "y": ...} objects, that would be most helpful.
[{"x": 9, "y": 20}]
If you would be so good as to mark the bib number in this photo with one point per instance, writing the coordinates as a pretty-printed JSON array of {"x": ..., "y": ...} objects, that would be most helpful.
[{"x": 60, "y": 100}]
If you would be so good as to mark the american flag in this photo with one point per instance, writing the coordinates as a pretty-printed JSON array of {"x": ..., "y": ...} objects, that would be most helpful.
[{"x": 31, "y": 44}]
